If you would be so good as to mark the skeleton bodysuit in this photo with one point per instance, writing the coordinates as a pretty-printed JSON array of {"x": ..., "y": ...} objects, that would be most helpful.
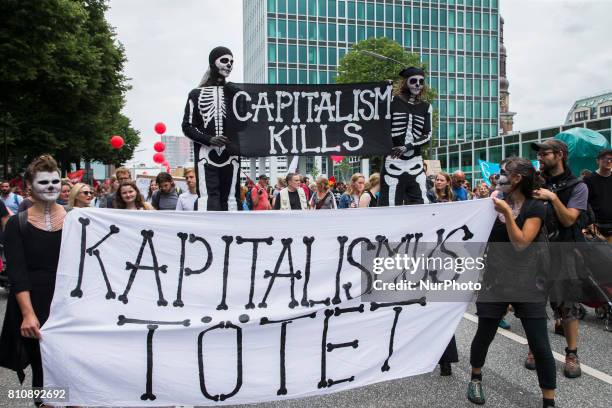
[
  {"x": 206, "y": 119},
  {"x": 403, "y": 178}
]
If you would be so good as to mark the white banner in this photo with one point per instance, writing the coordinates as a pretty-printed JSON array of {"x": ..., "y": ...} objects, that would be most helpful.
[{"x": 163, "y": 308}]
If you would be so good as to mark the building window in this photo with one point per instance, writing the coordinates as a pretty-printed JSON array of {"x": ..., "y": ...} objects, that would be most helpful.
[
  {"x": 341, "y": 8},
  {"x": 350, "y": 12},
  {"x": 282, "y": 6},
  {"x": 580, "y": 116},
  {"x": 331, "y": 8},
  {"x": 361, "y": 11},
  {"x": 312, "y": 7},
  {"x": 293, "y": 57},
  {"x": 271, "y": 75},
  {"x": 323, "y": 55},
  {"x": 272, "y": 28},
  {"x": 302, "y": 30},
  {"x": 282, "y": 28},
  {"x": 302, "y": 6},
  {"x": 331, "y": 32},
  {"x": 282, "y": 53},
  {"x": 606, "y": 111},
  {"x": 312, "y": 55},
  {"x": 272, "y": 6},
  {"x": 303, "y": 54},
  {"x": 292, "y": 6},
  {"x": 292, "y": 29},
  {"x": 271, "y": 53}
]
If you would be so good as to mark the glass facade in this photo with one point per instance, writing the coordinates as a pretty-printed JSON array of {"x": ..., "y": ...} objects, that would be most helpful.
[
  {"x": 464, "y": 156},
  {"x": 457, "y": 39}
]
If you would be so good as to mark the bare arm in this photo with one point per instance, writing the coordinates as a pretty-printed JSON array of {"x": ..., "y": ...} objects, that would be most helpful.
[{"x": 30, "y": 325}]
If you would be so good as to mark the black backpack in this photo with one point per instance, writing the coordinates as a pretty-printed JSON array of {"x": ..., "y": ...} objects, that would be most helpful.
[{"x": 551, "y": 223}]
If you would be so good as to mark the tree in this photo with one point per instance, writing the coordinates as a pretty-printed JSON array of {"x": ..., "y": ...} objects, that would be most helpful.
[
  {"x": 357, "y": 66},
  {"x": 61, "y": 71}
]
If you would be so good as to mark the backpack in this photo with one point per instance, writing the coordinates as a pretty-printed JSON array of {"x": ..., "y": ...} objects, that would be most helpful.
[
  {"x": 551, "y": 223},
  {"x": 249, "y": 200}
]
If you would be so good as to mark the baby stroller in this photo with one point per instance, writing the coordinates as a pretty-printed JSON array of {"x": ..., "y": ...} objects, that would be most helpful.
[{"x": 597, "y": 259}]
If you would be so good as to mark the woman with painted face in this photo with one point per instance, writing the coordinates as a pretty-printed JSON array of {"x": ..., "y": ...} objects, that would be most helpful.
[
  {"x": 32, "y": 250},
  {"x": 403, "y": 175},
  {"x": 128, "y": 197},
  {"x": 214, "y": 130},
  {"x": 80, "y": 196},
  {"x": 511, "y": 278}
]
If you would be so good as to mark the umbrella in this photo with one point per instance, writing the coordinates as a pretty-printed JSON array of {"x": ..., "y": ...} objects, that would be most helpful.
[{"x": 583, "y": 145}]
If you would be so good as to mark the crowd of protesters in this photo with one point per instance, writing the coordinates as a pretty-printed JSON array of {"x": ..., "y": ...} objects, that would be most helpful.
[{"x": 521, "y": 196}]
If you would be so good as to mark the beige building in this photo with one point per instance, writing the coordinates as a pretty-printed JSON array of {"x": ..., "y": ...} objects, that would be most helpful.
[{"x": 594, "y": 107}]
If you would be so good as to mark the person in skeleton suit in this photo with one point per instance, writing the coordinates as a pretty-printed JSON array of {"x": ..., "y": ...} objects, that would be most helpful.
[
  {"x": 403, "y": 174},
  {"x": 208, "y": 123}
]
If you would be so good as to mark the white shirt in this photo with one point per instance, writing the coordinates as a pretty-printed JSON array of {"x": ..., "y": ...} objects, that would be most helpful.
[{"x": 186, "y": 201}]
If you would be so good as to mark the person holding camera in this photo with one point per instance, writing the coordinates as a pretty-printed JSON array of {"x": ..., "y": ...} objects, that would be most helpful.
[{"x": 259, "y": 194}]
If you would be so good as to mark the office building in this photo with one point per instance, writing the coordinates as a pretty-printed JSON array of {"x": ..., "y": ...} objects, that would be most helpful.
[
  {"x": 179, "y": 151},
  {"x": 593, "y": 107}
]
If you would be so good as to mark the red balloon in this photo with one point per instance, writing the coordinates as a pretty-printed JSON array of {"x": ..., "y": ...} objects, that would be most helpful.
[
  {"x": 160, "y": 128},
  {"x": 337, "y": 159},
  {"x": 159, "y": 147},
  {"x": 117, "y": 142},
  {"x": 159, "y": 158}
]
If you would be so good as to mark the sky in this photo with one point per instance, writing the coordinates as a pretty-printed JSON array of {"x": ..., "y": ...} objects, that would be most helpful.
[{"x": 558, "y": 51}]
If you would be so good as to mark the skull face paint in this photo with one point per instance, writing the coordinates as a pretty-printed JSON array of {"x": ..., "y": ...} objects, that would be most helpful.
[
  {"x": 503, "y": 182},
  {"x": 416, "y": 83},
  {"x": 46, "y": 186},
  {"x": 225, "y": 64}
]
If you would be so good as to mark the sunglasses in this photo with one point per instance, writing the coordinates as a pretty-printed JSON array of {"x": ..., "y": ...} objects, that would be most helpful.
[
  {"x": 226, "y": 60},
  {"x": 544, "y": 154},
  {"x": 414, "y": 81},
  {"x": 87, "y": 192}
]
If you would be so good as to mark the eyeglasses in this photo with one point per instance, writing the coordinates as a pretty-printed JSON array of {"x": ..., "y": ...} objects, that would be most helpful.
[
  {"x": 606, "y": 159},
  {"x": 122, "y": 179},
  {"x": 414, "y": 81},
  {"x": 543, "y": 154},
  {"x": 87, "y": 193},
  {"x": 226, "y": 60}
]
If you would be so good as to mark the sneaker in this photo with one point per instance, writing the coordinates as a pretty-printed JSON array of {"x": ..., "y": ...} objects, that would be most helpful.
[
  {"x": 530, "y": 362},
  {"x": 572, "y": 366},
  {"x": 475, "y": 393},
  {"x": 559, "y": 329},
  {"x": 446, "y": 369},
  {"x": 504, "y": 324}
]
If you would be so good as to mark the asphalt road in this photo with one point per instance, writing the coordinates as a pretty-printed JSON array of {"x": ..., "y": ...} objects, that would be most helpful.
[{"x": 506, "y": 382}]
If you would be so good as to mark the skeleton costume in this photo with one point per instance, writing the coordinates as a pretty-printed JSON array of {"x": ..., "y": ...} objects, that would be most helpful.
[
  {"x": 208, "y": 123},
  {"x": 403, "y": 179}
]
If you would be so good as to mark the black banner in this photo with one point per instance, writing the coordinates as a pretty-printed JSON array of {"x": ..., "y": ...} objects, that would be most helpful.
[{"x": 313, "y": 120}]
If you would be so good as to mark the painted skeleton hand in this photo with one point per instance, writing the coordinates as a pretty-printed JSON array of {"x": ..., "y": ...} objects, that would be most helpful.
[
  {"x": 219, "y": 141},
  {"x": 397, "y": 151}
]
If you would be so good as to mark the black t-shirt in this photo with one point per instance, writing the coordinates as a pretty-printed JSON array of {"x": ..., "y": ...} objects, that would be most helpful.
[
  {"x": 294, "y": 200},
  {"x": 600, "y": 197},
  {"x": 531, "y": 209},
  {"x": 511, "y": 274}
]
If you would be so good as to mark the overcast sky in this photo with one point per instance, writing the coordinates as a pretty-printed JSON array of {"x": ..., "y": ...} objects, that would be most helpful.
[{"x": 559, "y": 51}]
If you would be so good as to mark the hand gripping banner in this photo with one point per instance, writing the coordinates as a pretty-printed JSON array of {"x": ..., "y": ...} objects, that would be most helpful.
[{"x": 218, "y": 308}]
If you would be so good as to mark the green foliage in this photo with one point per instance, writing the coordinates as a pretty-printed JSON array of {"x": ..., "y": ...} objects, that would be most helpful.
[
  {"x": 314, "y": 172},
  {"x": 356, "y": 66},
  {"x": 61, "y": 71}
]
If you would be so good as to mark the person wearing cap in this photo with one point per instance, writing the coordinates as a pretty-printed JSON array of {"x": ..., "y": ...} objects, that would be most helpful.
[
  {"x": 566, "y": 197},
  {"x": 599, "y": 184},
  {"x": 259, "y": 194},
  {"x": 403, "y": 178},
  {"x": 215, "y": 135}
]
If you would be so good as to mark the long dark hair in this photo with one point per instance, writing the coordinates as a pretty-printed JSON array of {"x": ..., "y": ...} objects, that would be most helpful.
[
  {"x": 119, "y": 203},
  {"x": 524, "y": 167}
]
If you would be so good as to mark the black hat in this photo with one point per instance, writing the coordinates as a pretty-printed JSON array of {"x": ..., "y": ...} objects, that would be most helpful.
[
  {"x": 411, "y": 71},
  {"x": 551, "y": 144},
  {"x": 218, "y": 52}
]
